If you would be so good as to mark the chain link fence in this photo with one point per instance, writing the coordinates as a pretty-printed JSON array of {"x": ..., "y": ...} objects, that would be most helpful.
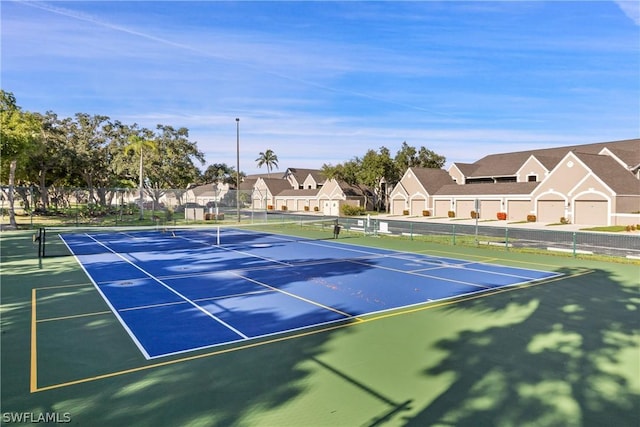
[
  {"x": 119, "y": 206},
  {"x": 574, "y": 242}
]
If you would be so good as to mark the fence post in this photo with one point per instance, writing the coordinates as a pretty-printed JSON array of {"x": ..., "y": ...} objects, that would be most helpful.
[
  {"x": 411, "y": 231},
  {"x": 574, "y": 244},
  {"x": 453, "y": 231},
  {"x": 506, "y": 238}
]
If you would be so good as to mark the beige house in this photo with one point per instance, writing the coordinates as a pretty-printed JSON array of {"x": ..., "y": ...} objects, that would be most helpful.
[
  {"x": 414, "y": 193},
  {"x": 596, "y": 184},
  {"x": 304, "y": 179},
  {"x": 334, "y": 194},
  {"x": 265, "y": 191}
]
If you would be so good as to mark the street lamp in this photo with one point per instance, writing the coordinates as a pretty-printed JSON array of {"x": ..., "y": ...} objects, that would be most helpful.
[{"x": 238, "y": 167}]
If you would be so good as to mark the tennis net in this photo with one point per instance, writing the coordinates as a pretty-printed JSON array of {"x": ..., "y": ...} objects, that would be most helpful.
[{"x": 64, "y": 241}]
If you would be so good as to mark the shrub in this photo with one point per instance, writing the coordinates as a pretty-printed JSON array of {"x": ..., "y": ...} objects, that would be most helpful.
[
  {"x": 306, "y": 208},
  {"x": 564, "y": 220},
  {"x": 270, "y": 207},
  {"x": 426, "y": 213},
  {"x": 475, "y": 214},
  {"x": 451, "y": 214},
  {"x": 316, "y": 209},
  {"x": 283, "y": 208},
  {"x": 502, "y": 216},
  {"x": 531, "y": 218},
  {"x": 349, "y": 210},
  {"x": 405, "y": 212}
]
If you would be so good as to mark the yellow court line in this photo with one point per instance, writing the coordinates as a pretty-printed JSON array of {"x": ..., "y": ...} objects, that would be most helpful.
[
  {"x": 35, "y": 389},
  {"x": 74, "y": 316},
  {"x": 358, "y": 320},
  {"x": 77, "y": 285}
]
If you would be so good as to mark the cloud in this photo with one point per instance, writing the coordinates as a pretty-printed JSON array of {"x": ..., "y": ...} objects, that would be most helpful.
[{"x": 631, "y": 9}]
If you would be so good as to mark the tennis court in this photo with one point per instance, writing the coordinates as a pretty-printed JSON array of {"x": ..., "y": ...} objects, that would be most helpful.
[
  {"x": 283, "y": 325},
  {"x": 176, "y": 290}
]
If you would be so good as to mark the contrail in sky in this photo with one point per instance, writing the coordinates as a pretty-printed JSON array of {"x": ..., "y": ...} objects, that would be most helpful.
[{"x": 93, "y": 20}]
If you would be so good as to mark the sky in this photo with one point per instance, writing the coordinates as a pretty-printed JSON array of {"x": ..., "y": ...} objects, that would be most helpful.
[{"x": 323, "y": 82}]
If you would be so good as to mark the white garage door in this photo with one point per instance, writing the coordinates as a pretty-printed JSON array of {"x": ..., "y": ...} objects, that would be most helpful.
[
  {"x": 489, "y": 209},
  {"x": 591, "y": 212},
  {"x": 464, "y": 208},
  {"x": 417, "y": 206},
  {"x": 442, "y": 208},
  {"x": 550, "y": 210},
  {"x": 517, "y": 210},
  {"x": 397, "y": 206}
]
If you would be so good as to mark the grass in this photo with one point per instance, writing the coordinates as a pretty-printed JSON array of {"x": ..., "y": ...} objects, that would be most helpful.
[{"x": 608, "y": 229}]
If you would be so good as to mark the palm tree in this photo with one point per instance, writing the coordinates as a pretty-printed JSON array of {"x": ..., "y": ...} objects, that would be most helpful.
[
  {"x": 137, "y": 144},
  {"x": 268, "y": 158}
]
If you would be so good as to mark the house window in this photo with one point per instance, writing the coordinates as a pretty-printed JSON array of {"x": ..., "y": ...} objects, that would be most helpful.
[{"x": 532, "y": 178}]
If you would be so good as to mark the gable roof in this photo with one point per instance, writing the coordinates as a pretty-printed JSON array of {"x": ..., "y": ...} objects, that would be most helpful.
[
  {"x": 353, "y": 190},
  {"x": 614, "y": 175},
  {"x": 466, "y": 168},
  {"x": 432, "y": 179},
  {"x": 276, "y": 185},
  {"x": 524, "y": 188},
  {"x": 301, "y": 174},
  {"x": 630, "y": 158},
  {"x": 205, "y": 190},
  {"x": 507, "y": 164}
]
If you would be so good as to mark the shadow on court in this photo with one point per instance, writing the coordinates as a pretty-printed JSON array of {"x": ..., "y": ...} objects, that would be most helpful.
[
  {"x": 572, "y": 360},
  {"x": 559, "y": 354}
]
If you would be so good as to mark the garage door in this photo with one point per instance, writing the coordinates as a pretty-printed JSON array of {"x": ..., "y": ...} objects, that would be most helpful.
[
  {"x": 517, "y": 210},
  {"x": 464, "y": 208},
  {"x": 489, "y": 209},
  {"x": 591, "y": 212},
  {"x": 397, "y": 206},
  {"x": 441, "y": 208},
  {"x": 417, "y": 206},
  {"x": 550, "y": 210}
]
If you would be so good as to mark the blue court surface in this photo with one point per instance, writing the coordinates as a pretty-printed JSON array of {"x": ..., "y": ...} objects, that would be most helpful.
[{"x": 177, "y": 292}]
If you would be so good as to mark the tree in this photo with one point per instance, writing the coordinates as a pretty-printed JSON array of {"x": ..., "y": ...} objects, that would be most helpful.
[
  {"x": 376, "y": 170},
  {"x": 47, "y": 157},
  {"x": 219, "y": 172},
  {"x": 269, "y": 159},
  {"x": 18, "y": 131},
  {"x": 407, "y": 157},
  {"x": 138, "y": 145},
  {"x": 430, "y": 159}
]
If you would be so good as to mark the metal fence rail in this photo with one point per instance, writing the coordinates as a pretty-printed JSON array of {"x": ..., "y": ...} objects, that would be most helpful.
[{"x": 574, "y": 242}]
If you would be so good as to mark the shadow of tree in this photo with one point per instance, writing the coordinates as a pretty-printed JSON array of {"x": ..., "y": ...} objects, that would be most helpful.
[{"x": 571, "y": 361}]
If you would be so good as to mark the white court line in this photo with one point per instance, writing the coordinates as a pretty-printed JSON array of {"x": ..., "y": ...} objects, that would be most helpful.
[{"x": 211, "y": 315}]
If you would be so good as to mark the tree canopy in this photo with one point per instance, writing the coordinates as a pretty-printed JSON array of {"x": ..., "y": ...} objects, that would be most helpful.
[
  {"x": 377, "y": 171},
  {"x": 101, "y": 154}
]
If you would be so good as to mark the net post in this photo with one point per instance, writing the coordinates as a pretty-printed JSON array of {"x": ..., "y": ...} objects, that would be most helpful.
[
  {"x": 574, "y": 244},
  {"x": 453, "y": 232},
  {"x": 41, "y": 241},
  {"x": 218, "y": 235}
]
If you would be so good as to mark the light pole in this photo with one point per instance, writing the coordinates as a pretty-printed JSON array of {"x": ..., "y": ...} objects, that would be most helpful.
[{"x": 238, "y": 167}]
